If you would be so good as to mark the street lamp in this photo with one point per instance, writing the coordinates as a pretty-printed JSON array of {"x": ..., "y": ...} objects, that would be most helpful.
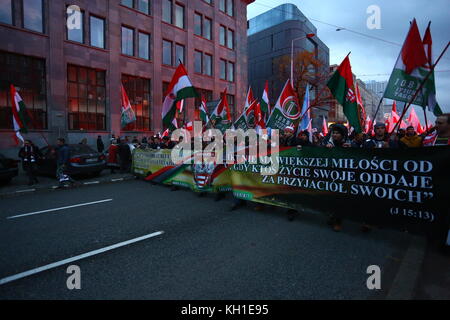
[{"x": 309, "y": 35}]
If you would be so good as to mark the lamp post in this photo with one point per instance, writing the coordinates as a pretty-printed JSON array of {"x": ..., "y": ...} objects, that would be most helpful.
[{"x": 309, "y": 35}]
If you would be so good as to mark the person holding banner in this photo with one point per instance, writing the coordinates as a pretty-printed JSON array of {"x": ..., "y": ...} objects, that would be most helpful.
[
  {"x": 338, "y": 138},
  {"x": 303, "y": 139},
  {"x": 411, "y": 140},
  {"x": 288, "y": 139},
  {"x": 441, "y": 135},
  {"x": 381, "y": 138}
]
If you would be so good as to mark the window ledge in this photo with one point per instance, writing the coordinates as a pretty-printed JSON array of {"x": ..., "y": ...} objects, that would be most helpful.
[
  {"x": 86, "y": 46},
  {"x": 136, "y": 11},
  {"x": 136, "y": 58},
  {"x": 174, "y": 26},
  {"x": 23, "y": 30}
]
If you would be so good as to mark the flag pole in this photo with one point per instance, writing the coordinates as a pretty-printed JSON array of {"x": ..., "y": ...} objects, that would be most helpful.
[
  {"x": 420, "y": 87},
  {"x": 426, "y": 121},
  {"x": 378, "y": 108}
]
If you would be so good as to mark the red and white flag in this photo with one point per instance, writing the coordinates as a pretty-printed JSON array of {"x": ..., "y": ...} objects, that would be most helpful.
[{"x": 19, "y": 113}]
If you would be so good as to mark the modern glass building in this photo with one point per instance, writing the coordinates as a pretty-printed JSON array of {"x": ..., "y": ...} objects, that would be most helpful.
[{"x": 270, "y": 37}]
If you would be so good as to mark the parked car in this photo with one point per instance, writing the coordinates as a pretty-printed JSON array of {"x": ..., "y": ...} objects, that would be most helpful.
[
  {"x": 8, "y": 168},
  {"x": 83, "y": 160}
]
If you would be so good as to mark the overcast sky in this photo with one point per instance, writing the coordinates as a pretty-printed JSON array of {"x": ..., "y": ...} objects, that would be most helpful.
[{"x": 373, "y": 59}]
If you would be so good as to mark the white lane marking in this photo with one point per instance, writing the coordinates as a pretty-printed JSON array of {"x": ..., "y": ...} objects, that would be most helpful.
[
  {"x": 92, "y": 182},
  {"x": 79, "y": 257},
  {"x": 119, "y": 179},
  {"x": 27, "y": 190},
  {"x": 57, "y": 209}
]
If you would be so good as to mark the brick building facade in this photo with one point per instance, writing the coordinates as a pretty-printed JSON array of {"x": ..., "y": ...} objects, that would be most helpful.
[{"x": 70, "y": 78}]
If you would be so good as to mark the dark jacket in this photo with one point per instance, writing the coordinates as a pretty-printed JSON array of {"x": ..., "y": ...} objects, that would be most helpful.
[
  {"x": 62, "y": 154},
  {"x": 29, "y": 153},
  {"x": 291, "y": 141},
  {"x": 100, "y": 145},
  {"x": 124, "y": 152}
]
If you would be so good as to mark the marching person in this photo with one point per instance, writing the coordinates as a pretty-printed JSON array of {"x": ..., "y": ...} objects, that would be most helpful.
[
  {"x": 338, "y": 139},
  {"x": 124, "y": 155},
  {"x": 30, "y": 154},
  {"x": 441, "y": 135},
  {"x": 100, "y": 145},
  {"x": 62, "y": 160},
  {"x": 411, "y": 140},
  {"x": 381, "y": 138},
  {"x": 113, "y": 156}
]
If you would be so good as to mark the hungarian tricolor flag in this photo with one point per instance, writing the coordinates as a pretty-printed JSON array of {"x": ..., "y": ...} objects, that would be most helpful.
[
  {"x": 265, "y": 107},
  {"x": 286, "y": 111},
  {"x": 179, "y": 88},
  {"x": 343, "y": 89},
  {"x": 127, "y": 113},
  {"x": 19, "y": 112},
  {"x": 221, "y": 115},
  {"x": 409, "y": 71},
  {"x": 203, "y": 113},
  {"x": 433, "y": 106}
]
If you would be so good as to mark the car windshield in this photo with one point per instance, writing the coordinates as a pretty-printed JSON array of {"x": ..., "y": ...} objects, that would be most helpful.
[{"x": 80, "y": 149}]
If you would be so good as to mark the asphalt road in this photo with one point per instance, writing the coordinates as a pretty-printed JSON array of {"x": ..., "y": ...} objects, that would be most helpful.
[{"x": 205, "y": 252}]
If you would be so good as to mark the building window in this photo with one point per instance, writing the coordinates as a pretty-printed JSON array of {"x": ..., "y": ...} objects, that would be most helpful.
[
  {"x": 179, "y": 54},
  {"x": 77, "y": 34},
  {"x": 197, "y": 24},
  {"x": 33, "y": 15},
  {"x": 202, "y": 63},
  {"x": 27, "y": 74},
  {"x": 86, "y": 98},
  {"x": 230, "y": 39},
  {"x": 179, "y": 16},
  {"x": 207, "y": 25},
  {"x": 144, "y": 6},
  {"x": 222, "y": 5},
  {"x": 6, "y": 12},
  {"x": 138, "y": 92},
  {"x": 127, "y": 3},
  {"x": 167, "y": 52},
  {"x": 167, "y": 11},
  {"x": 127, "y": 41},
  {"x": 230, "y": 7},
  {"x": 141, "y": 5},
  {"x": 207, "y": 64},
  {"x": 144, "y": 45},
  {"x": 231, "y": 104},
  {"x": 208, "y": 94},
  {"x": 198, "y": 61},
  {"x": 223, "y": 69},
  {"x": 222, "y": 35},
  {"x": 226, "y": 6},
  {"x": 97, "y": 32},
  {"x": 202, "y": 26},
  {"x": 230, "y": 71},
  {"x": 226, "y": 37},
  {"x": 165, "y": 86}
]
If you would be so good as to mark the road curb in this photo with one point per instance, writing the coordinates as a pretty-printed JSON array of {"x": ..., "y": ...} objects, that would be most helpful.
[
  {"x": 55, "y": 187},
  {"x": 408, "y": 273}
]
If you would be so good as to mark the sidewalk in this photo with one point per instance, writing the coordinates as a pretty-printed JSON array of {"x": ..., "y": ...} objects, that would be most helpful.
[{"x": 19, "y": 184}]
